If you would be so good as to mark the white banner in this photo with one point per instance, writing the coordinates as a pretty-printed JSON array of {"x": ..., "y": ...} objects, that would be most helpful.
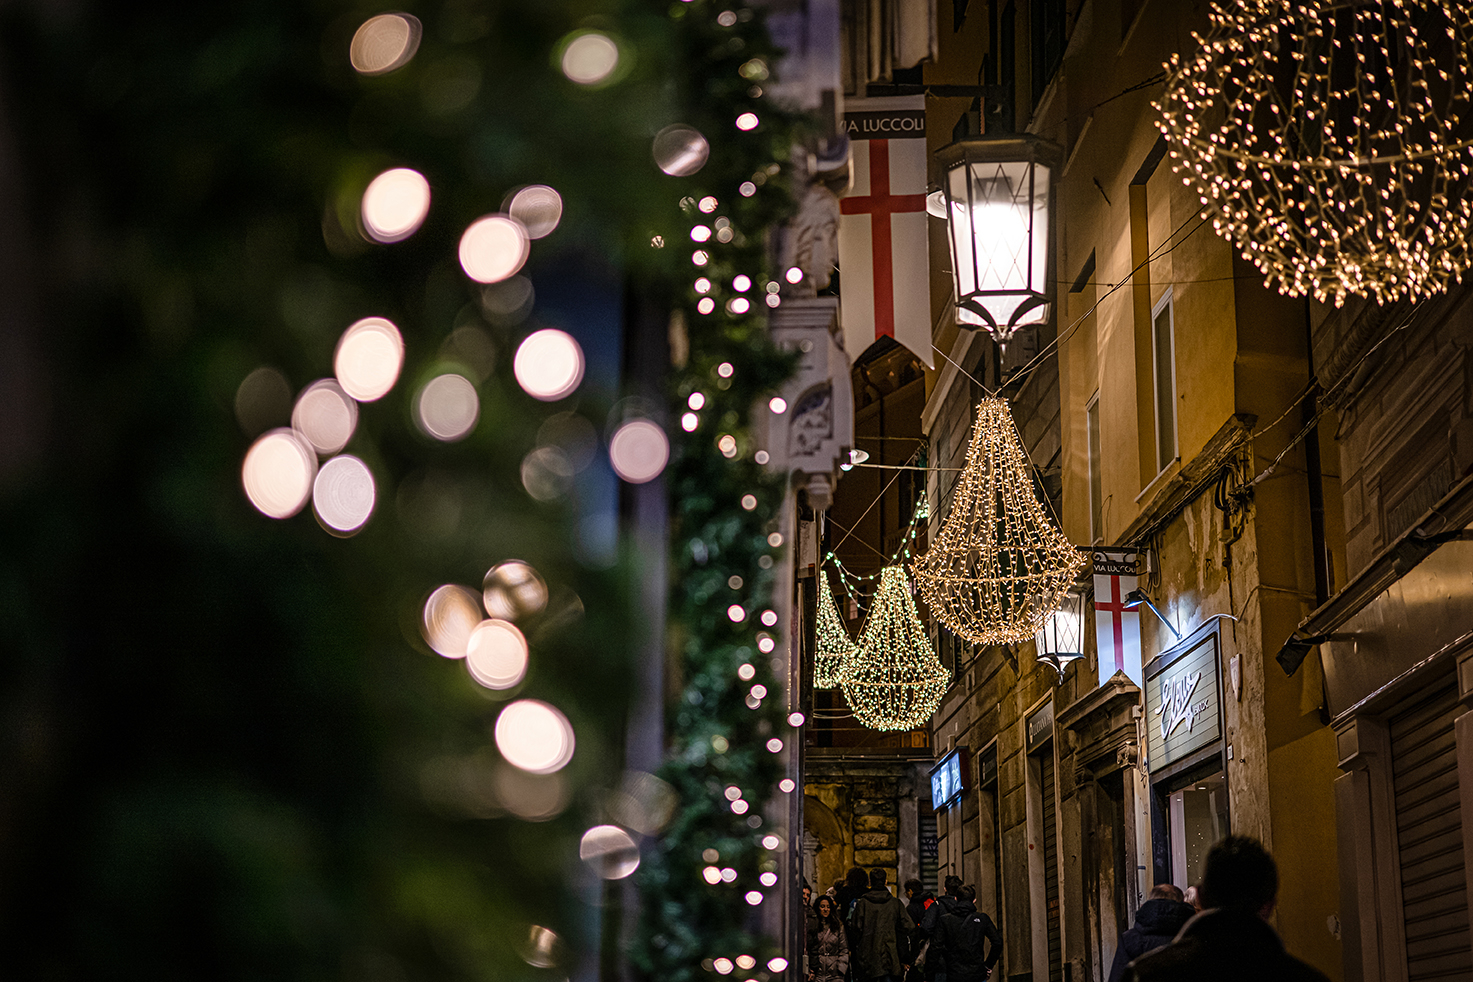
[
  {"x": 884, "y": 251},
  {"x": 1117, "y": 630}
]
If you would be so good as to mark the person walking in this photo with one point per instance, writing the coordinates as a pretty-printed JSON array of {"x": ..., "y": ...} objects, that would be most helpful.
[
  {"x": 1157, "y": 923},
  {"x": 918, "y": 899},
  {"x": 828, "y": 946},
  {"x": 934, "y": 969},
  {"x": 1231, "y": 939},
  {"x": 856, "y": 883},
  {"x": 959, "y": 938},
  {"x": 883, "y": 930}
]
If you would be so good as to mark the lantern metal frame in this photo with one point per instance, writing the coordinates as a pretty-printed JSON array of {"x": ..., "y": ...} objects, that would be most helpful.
[
  {"x": 1006, "y": 170},
  {"x": 1060, "y": 639}
]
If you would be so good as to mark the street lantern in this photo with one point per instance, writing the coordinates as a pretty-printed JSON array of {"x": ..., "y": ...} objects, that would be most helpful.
[
  {"x": 1061, "y": 639},
  {"x": 995, "y": 195}
]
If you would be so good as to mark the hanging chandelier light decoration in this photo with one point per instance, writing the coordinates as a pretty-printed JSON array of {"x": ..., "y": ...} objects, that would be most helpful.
[
  {"x": 1328, "y": 142},
  {"x": 1000, "y": 566},
  {"x": 833, "y": 643},
  {"x": 892, "y": 679}
]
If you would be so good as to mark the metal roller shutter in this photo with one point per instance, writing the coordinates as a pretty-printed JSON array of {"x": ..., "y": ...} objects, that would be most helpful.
[
  {"x": 1051, "y": 866},
  {"x": 1429, "y": 834}
]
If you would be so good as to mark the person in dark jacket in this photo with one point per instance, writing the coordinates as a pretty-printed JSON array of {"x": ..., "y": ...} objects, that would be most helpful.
[
  {"x": 856, "y": 883},
  {"x": 883, "y": 930},
  {"x": 918, "y": 899},
  {"x": 1231, "y": 939},
  {"x": 828, "y": 947},
  {"x": 945, "y": 904},
  {"x": 1156, "y": 925},
  {"x": 959, "y": 937}
]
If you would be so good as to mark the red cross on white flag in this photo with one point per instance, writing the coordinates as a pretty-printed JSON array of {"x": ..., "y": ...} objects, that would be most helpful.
[
  {"x": 1117, "y": 630},
  {"x": 884, "y": 255}
]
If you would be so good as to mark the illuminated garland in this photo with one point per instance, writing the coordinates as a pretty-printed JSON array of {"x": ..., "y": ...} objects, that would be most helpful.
[
  {"x": 834, "y": 643},
  {"x": 1328, "y": 142},
  {"x": 892, "y": 678},
  {"x": 999, "y": 566}
]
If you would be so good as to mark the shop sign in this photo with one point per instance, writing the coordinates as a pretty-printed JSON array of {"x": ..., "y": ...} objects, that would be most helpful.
[
  {"x": 1040, "y": 726},
  {"x": 987, "y": 767},
  {"x": 1183, "y": 705}
]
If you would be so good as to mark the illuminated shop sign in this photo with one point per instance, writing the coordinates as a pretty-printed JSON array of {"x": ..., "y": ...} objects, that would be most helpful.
[
  {"x": 948, "y": 778},
  {"x": 1183, "y": 703}
]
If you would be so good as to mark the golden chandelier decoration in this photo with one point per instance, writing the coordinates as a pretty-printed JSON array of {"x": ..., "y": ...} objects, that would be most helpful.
[
  {"x": 1326, "y": 140},
  {"x": 892, "y": 679},
  {"x": 999, "y": 566},
  {"x": 833, "y": 640}
]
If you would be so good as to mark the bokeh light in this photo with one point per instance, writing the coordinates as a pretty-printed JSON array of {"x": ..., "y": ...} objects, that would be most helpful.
[
  {"x": 741, "y": 283},
  {"x": 768, "y": 879},
  {"x": 701, "y": 233},
  {"x": 493, "y": 248},
  {"x": 723, "y": 965},
  {"x": 610, "y": 851},
  {"x": 778, "y": 405},
  {"x": 639, "y": 451},
  {"x": 754, "y": 897},
  {"x": 786, "y": 785},
  {"x": 538, "y": 207},
  {"x": 534, "y": 797},
  {"x": 447, "y": 407},
  {"x": 696, "y": 400},
  {"x": 534, "y": 736},
  {"x": 706, "y": 305},
  {"x": 368, "y": 359},
  {"x": 739, "y": 305},
  {"x": 746, "y": 962},
  {"x": 277, "y": 473},
  {"x": 702, "y": 285},
  {"x": 711, "y": 875},
  {"x": 496, "y": 654},
  {"x": 343, "y": 494},
  {"x": 547, "y": 474},
  {"x": 589, "y": 58},
  {"x": 796, "y": 719},
  {"x": 736, "y": 614},
  {"x": 726, "y": 369},
  {"x": 746, "y": 672},
  {"x": 384, "y": 43},
  {"x": 778, "y": 964},
  {"x": 700, "y": 257},
  {"x": 740, "y": 807},
  {"x": 512, "y": 590},
  {"x": 451, "y": 613},
  {"x": 770, "y": 842},
  {"x": 542, "y": 948},
  {"x": 774, "y": 745},
  {"x": 263, "y": 401},
  {"x": 680, "y": 150},
  {"x": 728, "y": 875},
  {"x": 707, "y": 204},
  {"x": 548, "y": 364},
  {"x": 747, "y": 189},
  {"x": 749, "y": 502},
  {"x": 747, "y": 121},
  {"x": 689, "y": 422},
  {"x": 325, "y": 416},
  {"x": 395, "y": 204},
  {"x": 794, "y": 275},
  {"x": 571, "y": 433}
]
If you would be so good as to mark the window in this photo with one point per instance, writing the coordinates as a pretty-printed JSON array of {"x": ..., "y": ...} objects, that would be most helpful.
[
  {"x": 1049, "y": 40},
  {"x": 1096, "y": 494},
  {"x": 1164, "y": 360}
]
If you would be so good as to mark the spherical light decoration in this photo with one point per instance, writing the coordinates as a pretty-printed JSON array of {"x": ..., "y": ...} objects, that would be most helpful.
[
  {"x": 384, "y": 43},
  {"x": 395, "y": 204},
  {"x": 534, "y": 736},
  {"x": 368, "y": 358},
  {"x": 639, "y": 451},
  {"x": 892, "y": 679},
  {"x": 343, "y": 494},
  {"x": 999, "y": 566},
  {"x": 278, "y": 473},
  {"x": 493, "y": 248},
  {"x": 834, "y": 643},
  {"x": 1328, "y": 142},
  {"x": 680, "y": 150},
  {"x": 548, "y": 364}
]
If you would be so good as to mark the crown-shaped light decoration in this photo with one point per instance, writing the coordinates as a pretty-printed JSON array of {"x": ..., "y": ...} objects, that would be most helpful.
[
  {"x": 892, "y": 679},
  {"x": 1330, "y": 142},
  {"x": 999, "y": 566},
  {"x": 833, "y": 642}
]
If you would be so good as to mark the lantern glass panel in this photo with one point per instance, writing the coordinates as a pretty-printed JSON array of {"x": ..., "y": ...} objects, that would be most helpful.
[{"x": 1063, "y": 632}]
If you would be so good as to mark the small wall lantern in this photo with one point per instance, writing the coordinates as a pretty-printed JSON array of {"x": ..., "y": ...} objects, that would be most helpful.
[{"x": 1061, "y": 639}]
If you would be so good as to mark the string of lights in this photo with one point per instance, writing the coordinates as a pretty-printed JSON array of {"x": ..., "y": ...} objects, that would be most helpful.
[
  {"x": 892, "y": 679},
  {"x": 999, "y": 565},
  {"x": 833, "y": 642},
  {"x": 1327, "y": 142}
]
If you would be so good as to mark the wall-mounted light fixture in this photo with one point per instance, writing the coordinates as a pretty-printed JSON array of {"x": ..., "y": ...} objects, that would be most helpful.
[
  {"x": 1135, "y": 598},
  {"x": 996, "y": 196},
  {"x": 1061, "y": 638}
]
